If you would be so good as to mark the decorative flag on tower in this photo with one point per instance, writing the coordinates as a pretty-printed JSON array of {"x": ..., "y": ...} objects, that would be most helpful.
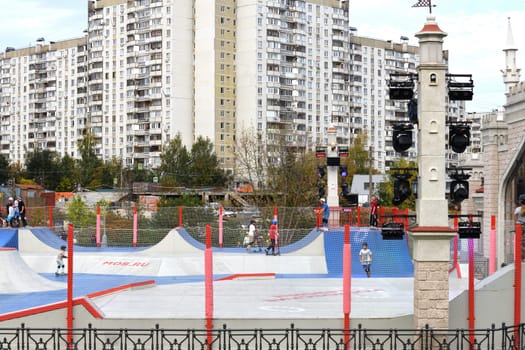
[{"x": 424, "y": 3}]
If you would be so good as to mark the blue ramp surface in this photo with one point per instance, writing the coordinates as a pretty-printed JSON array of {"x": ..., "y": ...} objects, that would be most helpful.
[
  {"x": 8, "y": 238},
  {"x": 391, "y": 258}
]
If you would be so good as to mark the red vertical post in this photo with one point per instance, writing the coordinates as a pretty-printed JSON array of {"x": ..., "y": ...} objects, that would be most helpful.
[
  {"x": 492, "y": 246},
  {"x": 406, "y": 218},
  {"x": 517, "y": 283},
  {"x": 347, "y": 284},
  {"x": 276, "y": 218},
  {"x": 51, "y": 217},
  {"x": 97, "y": 228},
  {"x": 180, "y": 216},
  {"x": 471, "y": 291},
  {"x": 220, "y": 226},
  {"x": 358, "y": 216},
  {"x": 208, "y": 285},
  {"x": 69, "y": 316},
  {"x": 135, "y": 226},
  {"x": 455, "y": 263}
]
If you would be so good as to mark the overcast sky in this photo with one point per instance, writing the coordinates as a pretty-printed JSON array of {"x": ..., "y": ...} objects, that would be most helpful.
[{"x": 476, "y": 32}]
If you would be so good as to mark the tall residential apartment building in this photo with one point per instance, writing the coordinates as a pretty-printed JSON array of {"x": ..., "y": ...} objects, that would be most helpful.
[{"x": 148, "y": 70}]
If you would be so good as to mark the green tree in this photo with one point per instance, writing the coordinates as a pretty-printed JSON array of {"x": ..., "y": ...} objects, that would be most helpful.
[
  {"x": 175, "y": 164},
  {"x": 88, "y": 162},
  {"x": 295, "y": 179},
  {"x": 4, "y": 169},
  {"x": 78, "y": 213},
  {"x": 43, "y": 167},
  {"x": 205, "y": 168},
  {"x": 358, "y": 160},
  {"x": 250, "y": 160}
]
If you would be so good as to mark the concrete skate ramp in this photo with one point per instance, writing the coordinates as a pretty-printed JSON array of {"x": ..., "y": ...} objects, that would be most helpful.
[
  {"x": 17, "y": 277},
  {"x": 178, "y": 254},
  {"x": 8, "y": 238},
  {"x": 391, "y": 258}
]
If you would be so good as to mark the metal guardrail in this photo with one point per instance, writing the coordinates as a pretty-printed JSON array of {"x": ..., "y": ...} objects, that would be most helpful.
[{"x": 506, "y": 337}]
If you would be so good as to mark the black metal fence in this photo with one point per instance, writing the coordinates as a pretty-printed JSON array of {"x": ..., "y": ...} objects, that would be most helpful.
[{"x": 505, "y": 337}]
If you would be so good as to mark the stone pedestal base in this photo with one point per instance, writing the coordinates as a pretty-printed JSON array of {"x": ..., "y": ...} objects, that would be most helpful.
[{"x": 431, "y": 254}]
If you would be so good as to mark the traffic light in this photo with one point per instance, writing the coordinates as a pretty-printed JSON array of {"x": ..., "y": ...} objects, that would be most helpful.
[
  {"x": 345, "y": 191},
  {"x": 343, "y": 171},
  {"x": 402, "y": 137},
  {"x": 401, "y": 189},
  {"x": 320, "y": 171},
  {"x": 469, "y": 229},
  {"x": 393, "y": 230},
  {"x": 459, "y": 189},
  {"x": 321, "y": 191},
  {"x": 459, "y": 185},
  {"x": 400, "y": 86},
  {"x": 460, "y": 87},
  {"x": 459, "y": 137},
  {"x": 352, "y": 199}
]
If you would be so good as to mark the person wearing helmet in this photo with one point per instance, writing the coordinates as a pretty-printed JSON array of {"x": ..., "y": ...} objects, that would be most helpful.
[
  {"x": 272, "y": 235},
  {"x": 60, "y": 261}
]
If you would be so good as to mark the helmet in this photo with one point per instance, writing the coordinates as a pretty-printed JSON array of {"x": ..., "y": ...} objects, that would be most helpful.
[
  {"x": 274, "y": 222},
  {"x": 10, "y": 198},
  {"x": 63, "y": 247},
  {"x": 322, "y": 200}
]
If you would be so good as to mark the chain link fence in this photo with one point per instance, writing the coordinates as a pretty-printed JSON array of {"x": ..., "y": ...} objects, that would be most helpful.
[{"x": 153, "y": 224}]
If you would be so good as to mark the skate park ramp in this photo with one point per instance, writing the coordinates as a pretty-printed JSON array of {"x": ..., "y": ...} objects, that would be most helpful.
[
  {"x": 8, "y": 238},
  {"x": 391, "y": 258},
  {"x": 178, "y": 254},
  {"x": 16, "y": 276}
]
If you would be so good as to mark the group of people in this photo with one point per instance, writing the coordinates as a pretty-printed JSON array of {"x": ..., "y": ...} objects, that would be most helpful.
[
  {"x": 255, "y": 239},
  {"x": 16, "y": 213}
]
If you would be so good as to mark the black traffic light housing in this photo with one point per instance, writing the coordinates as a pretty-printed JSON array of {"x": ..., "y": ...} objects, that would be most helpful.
[
  {"x": 460, "y": 87},
  {"x": 402, "y": 137},
  {"x": 351, "y": 198},
  {"x": 393, "y": 230},
  {"x": 401, "y": 86},
  {"x": 402, "y": 188},
  {"x": 320, "y": 171},
  {"x": 343, "y": 170},
  {"x": 469, "y": 229},
  {"x": 459, "y": 187},
  {"x": 459, "y": 137}
]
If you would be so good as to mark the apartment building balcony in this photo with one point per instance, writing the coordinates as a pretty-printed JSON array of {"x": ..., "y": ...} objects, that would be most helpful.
[{"x": 276, "y": 4}]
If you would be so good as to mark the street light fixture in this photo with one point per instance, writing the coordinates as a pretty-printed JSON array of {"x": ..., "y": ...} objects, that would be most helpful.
[
  {"x": 459, "y": 136},
  {"x": 401, "y": 86},
  {"x": 402, "y": 137},
  {"x": 460, "y": 87},
  {"x": 459, "y": 187}
]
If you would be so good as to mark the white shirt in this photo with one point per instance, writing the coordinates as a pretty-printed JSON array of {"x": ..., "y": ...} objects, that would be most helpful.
[
  {"x": 365, "y": 256},
  {"x": 251, "y": 231},
  {"x": 519, "y": 218}
]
